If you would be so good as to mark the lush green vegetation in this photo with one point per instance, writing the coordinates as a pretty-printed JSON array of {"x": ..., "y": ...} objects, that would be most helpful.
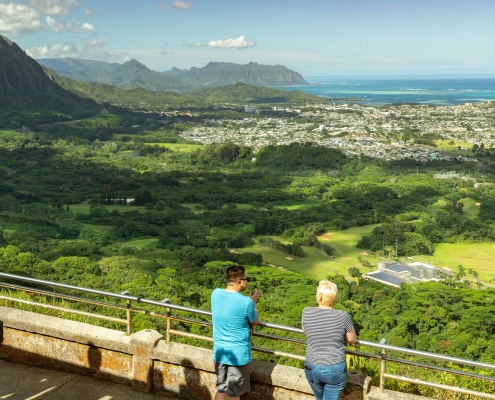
[
  {"x": 141, "y": 99},
  {"x": 121, "y": 202}
]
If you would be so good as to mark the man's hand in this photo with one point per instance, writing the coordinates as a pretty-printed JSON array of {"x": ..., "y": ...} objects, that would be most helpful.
[{"x": 255, "y": 295}]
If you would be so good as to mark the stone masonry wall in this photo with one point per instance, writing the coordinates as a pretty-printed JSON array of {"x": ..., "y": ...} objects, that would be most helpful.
[{"x": 142, "y": 360}]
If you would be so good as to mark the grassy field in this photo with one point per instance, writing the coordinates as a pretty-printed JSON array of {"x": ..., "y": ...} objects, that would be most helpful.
[
  {"x": 452, "y": 144},
  {"x": 476, "y": 256},
  {"x": 196, "y": 207},
  {"x": 440, "y": 204},
  {"x": 141, "y": 243},
  {"x": 316, "y": 264},
  {"x": 98, "y": 228},
  {"x": 178, "y": 147},
  {"x": 471, "y": 207},
  {"x": 299, "y": 206}
]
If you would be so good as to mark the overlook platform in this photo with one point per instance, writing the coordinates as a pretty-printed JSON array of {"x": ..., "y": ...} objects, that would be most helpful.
[
  {"x": 27, "y": 382},
  {"x": 48, "y": 357},
  {"x": 23, "y": 382}
]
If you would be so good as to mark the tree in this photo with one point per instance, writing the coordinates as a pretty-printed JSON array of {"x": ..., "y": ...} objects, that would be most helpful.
[
  {"x": 10, "y": 204},
  {"x": 415, "y": 244},
  {"x": 355, "y": 272},
  {"x": 461, "y": 273}
]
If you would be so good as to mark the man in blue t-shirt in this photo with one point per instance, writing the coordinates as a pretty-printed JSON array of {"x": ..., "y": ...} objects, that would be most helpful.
[{"x": 233, "y": 316}]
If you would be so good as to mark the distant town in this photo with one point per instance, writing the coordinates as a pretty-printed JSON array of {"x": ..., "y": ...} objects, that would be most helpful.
[{"x": 358, "y": 130}]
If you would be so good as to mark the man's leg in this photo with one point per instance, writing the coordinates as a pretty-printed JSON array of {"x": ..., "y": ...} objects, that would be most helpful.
[
  {"x": 222, "y": 381},
  {"x": 233, "y": 380}
]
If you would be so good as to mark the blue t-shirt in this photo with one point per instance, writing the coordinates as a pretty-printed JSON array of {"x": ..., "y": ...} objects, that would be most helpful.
[{"x": 232, "y": 313}]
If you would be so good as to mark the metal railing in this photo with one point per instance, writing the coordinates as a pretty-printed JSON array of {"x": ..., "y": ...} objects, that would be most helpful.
[{"x": 172, "y": 312}]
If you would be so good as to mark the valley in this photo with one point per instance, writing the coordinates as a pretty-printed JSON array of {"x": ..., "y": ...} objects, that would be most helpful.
[{"x": 157, "y": 192}]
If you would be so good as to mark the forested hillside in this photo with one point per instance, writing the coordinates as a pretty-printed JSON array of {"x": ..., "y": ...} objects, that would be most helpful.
[
  {"x": 101, "y": 203},
  {"x": 141, "y": 99}
]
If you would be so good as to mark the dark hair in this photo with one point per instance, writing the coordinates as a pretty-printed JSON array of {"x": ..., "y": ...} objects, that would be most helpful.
[{"x": 234, "y": 273}]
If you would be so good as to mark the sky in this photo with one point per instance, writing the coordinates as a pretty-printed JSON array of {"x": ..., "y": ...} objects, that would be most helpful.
[{"x": 312, "y": 37}]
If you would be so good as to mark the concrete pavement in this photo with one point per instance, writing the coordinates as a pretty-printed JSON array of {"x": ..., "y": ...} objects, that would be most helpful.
[{"x": 25, "y": 382}]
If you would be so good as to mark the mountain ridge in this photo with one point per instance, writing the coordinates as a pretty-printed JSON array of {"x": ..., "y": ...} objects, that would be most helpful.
[
  {"x": 32, "y": 94},
  {"x": 132, "y": 74}
]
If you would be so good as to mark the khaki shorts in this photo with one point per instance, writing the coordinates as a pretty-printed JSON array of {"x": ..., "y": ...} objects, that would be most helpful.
[{"x": 233, "y": 380}]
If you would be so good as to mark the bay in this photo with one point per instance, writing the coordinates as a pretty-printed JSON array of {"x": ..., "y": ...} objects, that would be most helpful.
[{"x": 378, "y": 91}]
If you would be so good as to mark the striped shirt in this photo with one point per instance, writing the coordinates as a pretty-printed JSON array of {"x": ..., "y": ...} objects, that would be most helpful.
[{"x": 325, "y": 329}]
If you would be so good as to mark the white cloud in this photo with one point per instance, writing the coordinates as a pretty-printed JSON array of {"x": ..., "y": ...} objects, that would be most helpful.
[
  {"x": 239, "y": 43},
  {"x": 182, "y": 5},
  {"x": 54, "y": 25},
  {"x": 87, "y": 27},
  {"x": 53, "y": 51},
  {"x": 97, "y": 42},
  {"x": 75, "y": 26},
  {"x": 54, "y": 7},
  {"x": 91, "y": 50},
  {"x": 18, "y": 19}
]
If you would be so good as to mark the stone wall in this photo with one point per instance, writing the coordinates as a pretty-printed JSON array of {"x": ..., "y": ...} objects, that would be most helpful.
[{"x": 142, "y": 360}]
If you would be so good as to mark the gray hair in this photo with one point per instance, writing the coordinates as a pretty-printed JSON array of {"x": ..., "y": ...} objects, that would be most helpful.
[{"x": 328, "y": 291}]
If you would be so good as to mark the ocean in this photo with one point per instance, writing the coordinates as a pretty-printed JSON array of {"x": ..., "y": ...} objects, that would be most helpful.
[{"x": 379, "y": 91}]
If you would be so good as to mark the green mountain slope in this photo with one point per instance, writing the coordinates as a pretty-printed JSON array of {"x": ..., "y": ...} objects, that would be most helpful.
[
  {"x": 138, "y": 98},
  {"x": 244, "y": 93},
  {"x": 29, "y": 96},
  {"x": 134, "y": 99}
]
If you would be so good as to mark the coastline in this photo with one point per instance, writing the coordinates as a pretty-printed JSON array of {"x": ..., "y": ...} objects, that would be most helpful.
[{"x": 436, "y": 90}]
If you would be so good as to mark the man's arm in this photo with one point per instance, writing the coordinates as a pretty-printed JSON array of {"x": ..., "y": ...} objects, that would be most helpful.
[{"x": 255, "y": 296}]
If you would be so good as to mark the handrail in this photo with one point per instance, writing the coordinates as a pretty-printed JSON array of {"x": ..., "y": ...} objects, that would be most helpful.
[
  {"x": 418, "y": 353},
  {"x": 383, "y": 348}
]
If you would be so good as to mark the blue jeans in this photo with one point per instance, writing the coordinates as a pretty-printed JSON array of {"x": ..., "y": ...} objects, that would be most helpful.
[{"x": 327, "y": 381}]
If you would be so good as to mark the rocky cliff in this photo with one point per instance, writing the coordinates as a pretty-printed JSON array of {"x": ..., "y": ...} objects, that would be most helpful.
[{"x": 220, "y": 74}]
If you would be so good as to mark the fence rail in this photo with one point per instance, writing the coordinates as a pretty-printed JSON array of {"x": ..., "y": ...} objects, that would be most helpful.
[{"x": 172, "y": 312}]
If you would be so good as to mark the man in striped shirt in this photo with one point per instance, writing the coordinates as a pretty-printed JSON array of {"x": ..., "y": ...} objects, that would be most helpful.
[{"x": 326, "y": 331}]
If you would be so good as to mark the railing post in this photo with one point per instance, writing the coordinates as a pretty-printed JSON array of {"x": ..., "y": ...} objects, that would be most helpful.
[
  {"x": 169, "y": 320},
  {"x": 129, "y": 317},
  {"x": 128, "y": 312},
  {"x": 383, "y": 366},
  {"x": 169, "y": 324}
]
